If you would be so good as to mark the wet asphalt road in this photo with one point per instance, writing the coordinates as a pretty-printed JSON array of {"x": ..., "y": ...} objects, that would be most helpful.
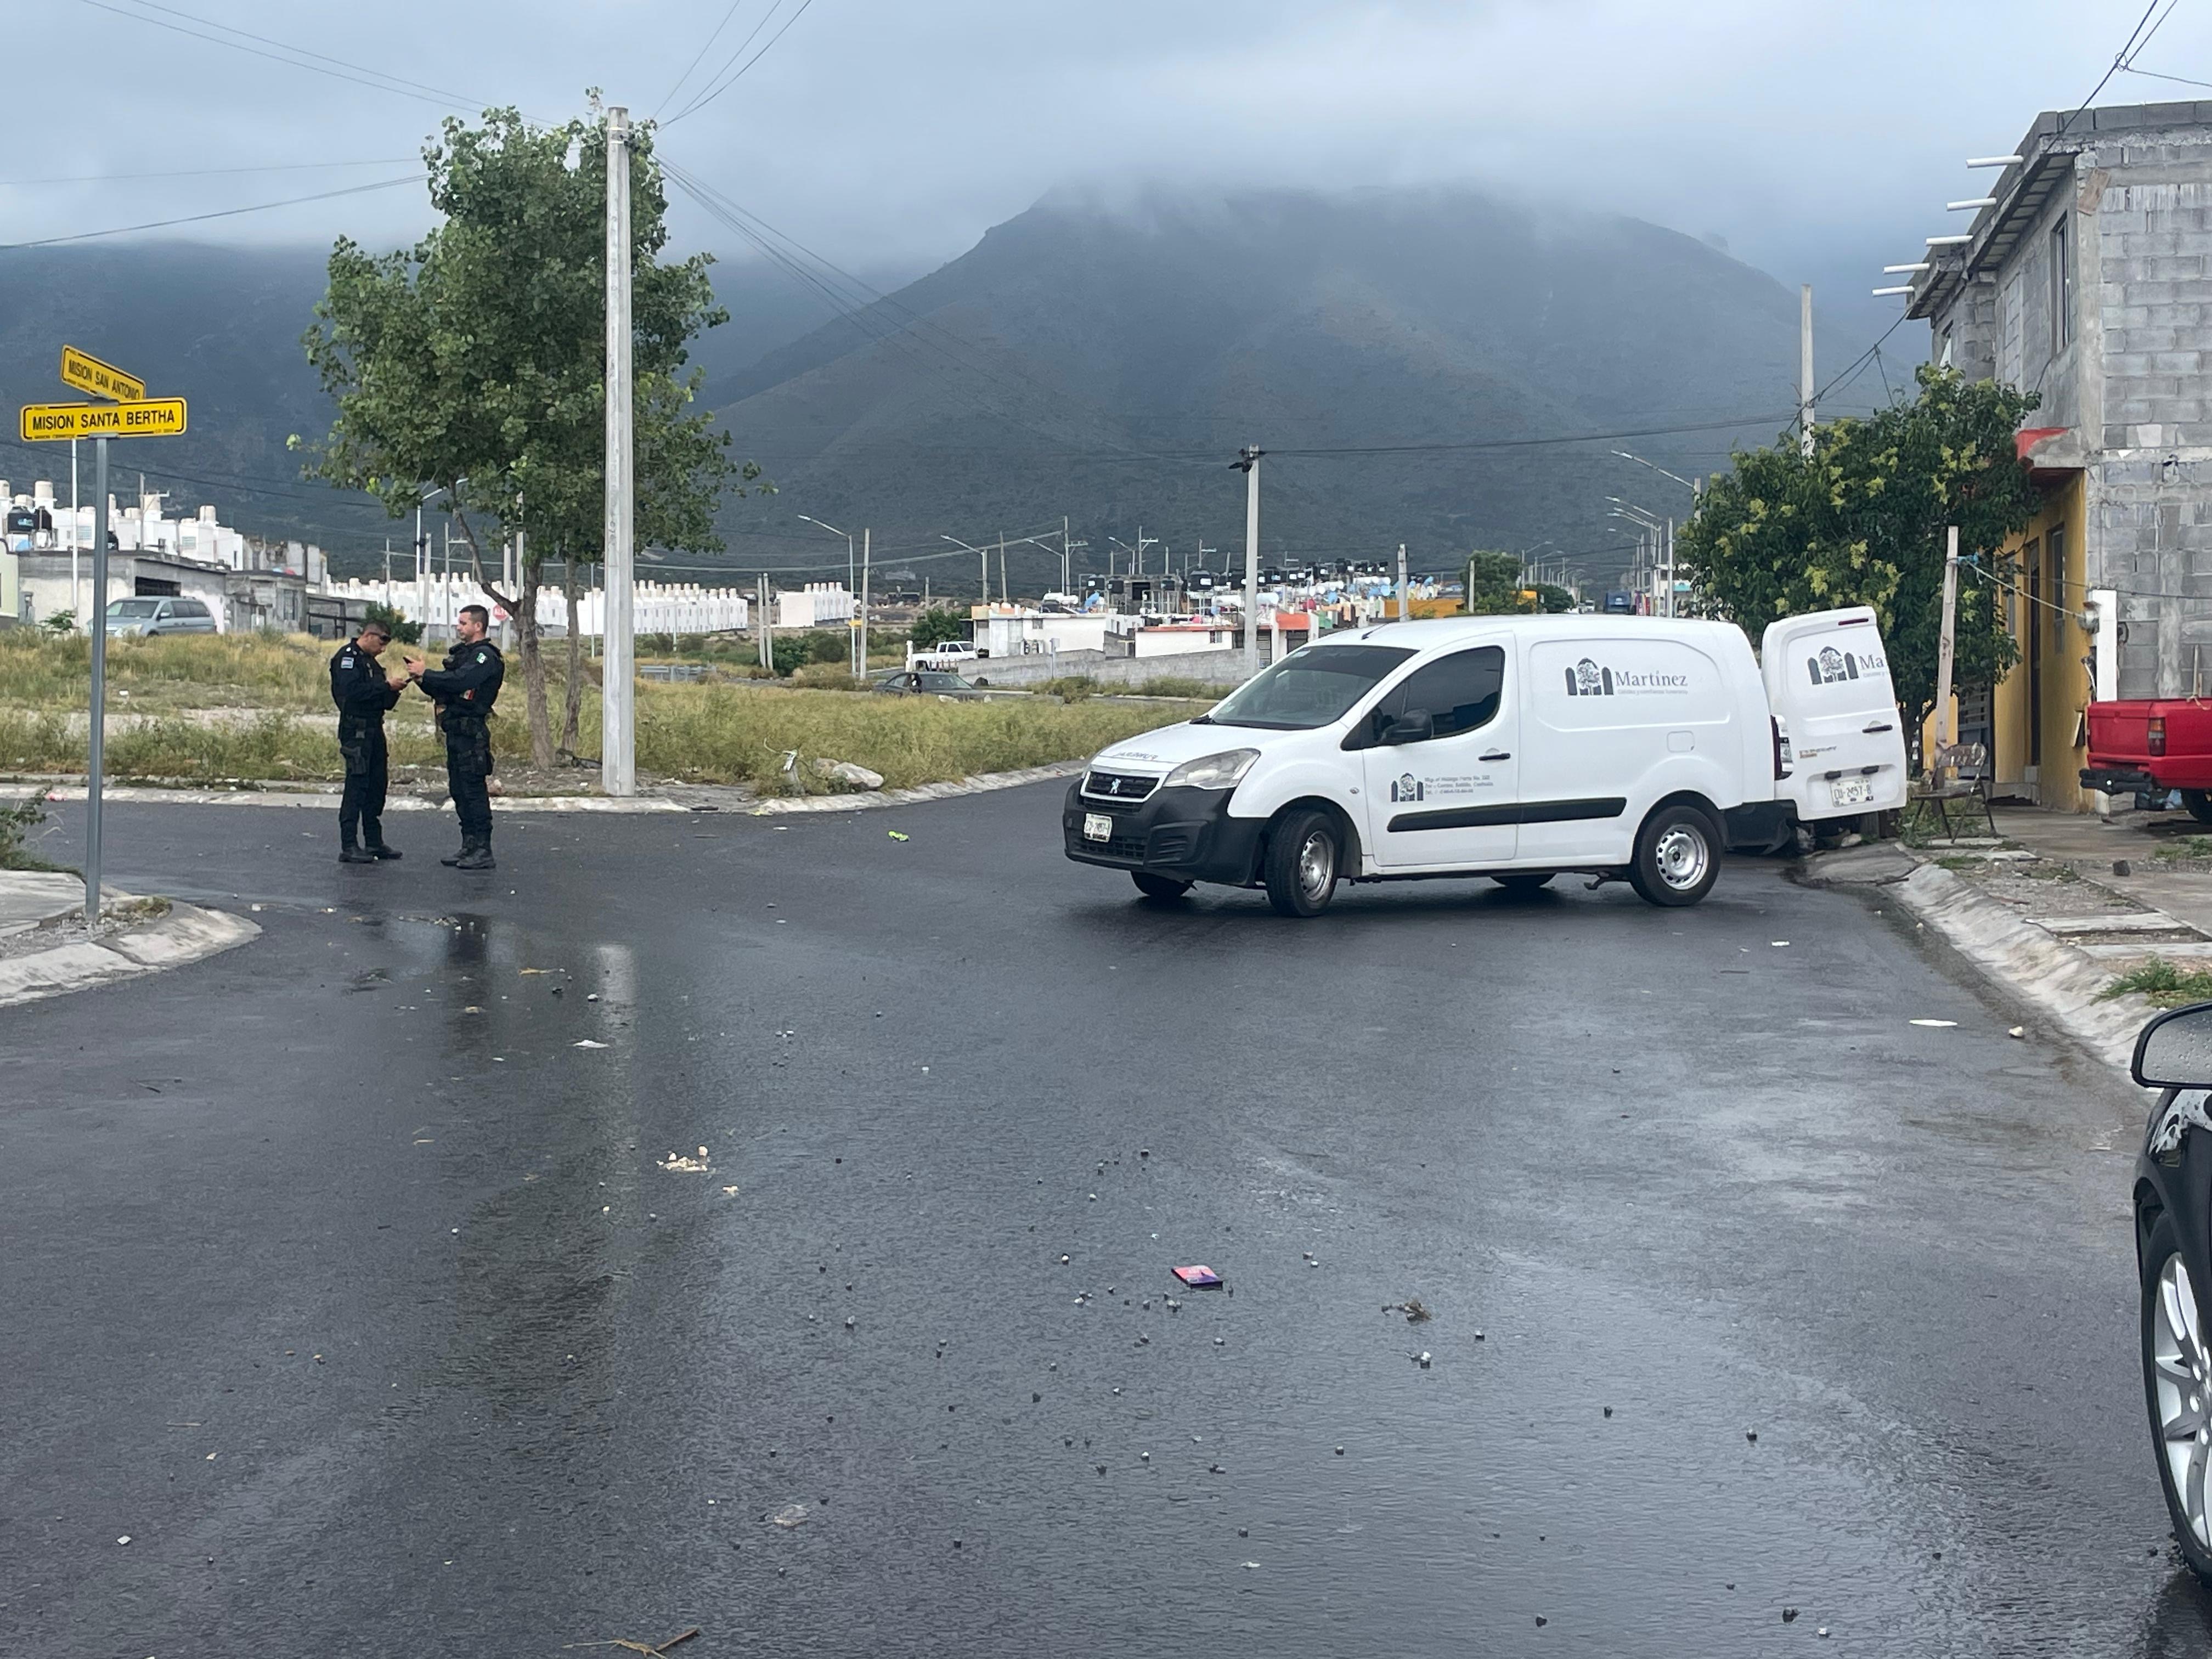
[{"x": 345, "y": 1285}]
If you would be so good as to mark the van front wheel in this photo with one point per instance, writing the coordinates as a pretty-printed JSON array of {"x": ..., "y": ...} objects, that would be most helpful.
[
  {"x": 1677, "y": 857},
  {"x": 1303, "y": 856}
]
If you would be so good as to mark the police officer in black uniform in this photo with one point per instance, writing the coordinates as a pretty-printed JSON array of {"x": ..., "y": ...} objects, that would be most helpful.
[
  {"x": 465, "y": 690},
  {"x": 362, "y": 691}
]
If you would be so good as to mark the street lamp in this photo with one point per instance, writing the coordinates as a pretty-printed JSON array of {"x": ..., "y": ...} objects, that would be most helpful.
[
  {"x": 1687, "y": 483},
  {"x": 422, "y": 552},
  {"x": 852, "y": 646}
]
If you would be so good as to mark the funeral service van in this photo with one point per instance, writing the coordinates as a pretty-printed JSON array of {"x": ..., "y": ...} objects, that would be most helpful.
[{"x": 1517, "y": 748}]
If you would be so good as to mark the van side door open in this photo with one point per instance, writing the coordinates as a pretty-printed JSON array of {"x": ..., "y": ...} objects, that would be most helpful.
[
  {"x": 1827, "y": 678},
  {"x": 1439, "y": 775}
]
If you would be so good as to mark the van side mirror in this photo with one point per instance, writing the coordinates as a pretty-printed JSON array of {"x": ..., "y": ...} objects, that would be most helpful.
[
  {"x": 2175, "y": 1050},
  {"x": 1414, "y": 725}
]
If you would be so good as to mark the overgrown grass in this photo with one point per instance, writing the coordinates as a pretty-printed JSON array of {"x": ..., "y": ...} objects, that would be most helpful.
[
  {"x": 2191, "y": 847},
  {"x": 713, "y": 732},
  {"x": 2166, "y": 985},
  {"x": 16, "y": 822},
  {"x": 1178, "y": 685}
]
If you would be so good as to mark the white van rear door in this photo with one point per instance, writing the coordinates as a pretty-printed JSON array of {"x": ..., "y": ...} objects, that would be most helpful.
[{"x": 1827, "y": 676}]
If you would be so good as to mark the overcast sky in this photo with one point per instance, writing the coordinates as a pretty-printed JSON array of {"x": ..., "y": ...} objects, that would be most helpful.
[{"x": 1820, "y": 142}]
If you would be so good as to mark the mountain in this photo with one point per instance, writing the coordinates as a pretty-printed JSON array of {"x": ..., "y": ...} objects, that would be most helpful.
[
  {"x": 1100, "y": 361},
  {"x": 1106, "y": 362},
  {"x": 221, "y": 327}
]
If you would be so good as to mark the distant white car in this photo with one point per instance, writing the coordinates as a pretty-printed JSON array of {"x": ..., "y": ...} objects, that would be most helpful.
[{"x": 950, "y": 654}]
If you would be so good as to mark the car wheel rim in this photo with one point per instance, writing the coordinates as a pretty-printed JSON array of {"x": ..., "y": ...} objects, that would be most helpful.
[
  {"x": 2184, "y": 1392},
  {"x": 1316, "y": 865},
  {"x": 1682, "y": 857}
]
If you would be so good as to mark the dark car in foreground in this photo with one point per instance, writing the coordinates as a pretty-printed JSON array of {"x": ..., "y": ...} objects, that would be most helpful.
[
  {"x": 2173, "y": 1241},
  {"x": 930, "y": 682}
]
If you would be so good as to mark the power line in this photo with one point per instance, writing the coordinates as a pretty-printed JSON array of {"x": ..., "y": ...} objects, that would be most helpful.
[
  {"x": 203, "y": 172},
  {"x": 700, "y": 103},
  {"x": 1531, "y": 443},
  {"x": 670, "y": 94},
  {"x": 357, "y": 73},
  {"x": 224, "y": 213},
  {"x": 2119, "y": 63}
]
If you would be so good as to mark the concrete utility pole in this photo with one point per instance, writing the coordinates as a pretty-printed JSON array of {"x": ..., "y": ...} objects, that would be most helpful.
[
  {"x": 1805, "y": 369},
  {"x": 1946, "y": 724},
  {"x": 766, "y": 651},
  {"x": 618, "y": 686},
  {"x": 96, "y": 730},
  {"x": 1405, "y": 602},
  {"x": 865, "y": 558},
  {"x": 76, "y": 596},
  {"x": 1248, "y": 462}
]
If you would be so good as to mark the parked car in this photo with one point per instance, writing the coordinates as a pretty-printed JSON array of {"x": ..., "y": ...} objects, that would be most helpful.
[
  {"x": 948, "y": 653},
  {"x": 1634, "y": 749},
  {"x": 2149, "y": 747},
  {"x": 2172, "y": 1212},
  {"x": 929, "y": 683},
  {"x": 148, "y": 617}
]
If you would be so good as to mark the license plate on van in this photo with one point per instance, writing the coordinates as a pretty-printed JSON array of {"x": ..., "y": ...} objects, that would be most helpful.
[
  {"x": 1851, "y": 791},
  {"x": 1097, "y": 826}
]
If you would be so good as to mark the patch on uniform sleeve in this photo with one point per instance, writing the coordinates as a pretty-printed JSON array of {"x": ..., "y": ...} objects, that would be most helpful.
[
  {"x": 482, "y": 658},
  {"x": 346, "y": 661}
]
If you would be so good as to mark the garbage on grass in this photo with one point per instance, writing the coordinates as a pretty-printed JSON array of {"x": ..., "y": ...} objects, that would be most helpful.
[{"x": 845, "y": 772}]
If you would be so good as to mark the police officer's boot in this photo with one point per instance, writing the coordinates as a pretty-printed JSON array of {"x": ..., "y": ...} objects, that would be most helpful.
[
  {"x": 477, "y": 856},
  {"x": 350, "y": 853},
  {"x": 372, "y": 837},
  {"x": 468, "y": 846}
]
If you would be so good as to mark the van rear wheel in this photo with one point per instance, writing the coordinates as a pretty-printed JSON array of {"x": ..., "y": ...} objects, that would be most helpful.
[
  {"x": 1677, "y": 857},
  {"x": 1303, "y": 856}
]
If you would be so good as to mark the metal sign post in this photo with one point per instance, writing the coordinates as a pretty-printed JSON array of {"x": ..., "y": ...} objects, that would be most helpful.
[
  {"x": 96, "y": 755},
  {"x": 130, "y": 414}
]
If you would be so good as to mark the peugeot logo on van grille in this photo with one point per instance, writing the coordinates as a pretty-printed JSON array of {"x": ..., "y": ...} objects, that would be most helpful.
[{"x": 1119, "y": 786}]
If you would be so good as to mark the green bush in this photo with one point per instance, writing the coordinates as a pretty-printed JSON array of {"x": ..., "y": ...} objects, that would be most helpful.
[
  {"x": 936, "y": 625},
  {"x": 405, "y": 632}
]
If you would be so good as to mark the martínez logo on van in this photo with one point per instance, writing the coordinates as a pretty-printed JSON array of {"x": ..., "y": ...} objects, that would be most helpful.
[
  {"x": 1829, "y": 664},
  {"x": 1406, "y": 787},
  {"x": 1590, "y": 679}
]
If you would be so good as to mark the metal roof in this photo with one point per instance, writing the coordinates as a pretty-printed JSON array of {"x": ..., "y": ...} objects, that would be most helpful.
[{"x": 2024, "y": 190}]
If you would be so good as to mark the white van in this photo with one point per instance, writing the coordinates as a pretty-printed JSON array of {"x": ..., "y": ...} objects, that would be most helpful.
[{"x": 1518, "y": 748}]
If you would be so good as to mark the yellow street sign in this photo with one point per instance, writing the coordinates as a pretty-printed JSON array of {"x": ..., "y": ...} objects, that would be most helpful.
[
  {"x": 156, "y": 418},
  {"x": 89, "y": 374}
]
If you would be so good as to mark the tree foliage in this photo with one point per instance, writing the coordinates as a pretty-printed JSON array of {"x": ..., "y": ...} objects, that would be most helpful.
[
  {"x": 1496, "y": 587},
  {"x": 938, "y": 625},
  {"x": 1862, "y": 521},
  {"x": 474, "y": 362}
]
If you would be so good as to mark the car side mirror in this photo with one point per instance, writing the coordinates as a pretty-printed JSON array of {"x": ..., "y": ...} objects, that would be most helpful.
[
  {"x": 2175, "y": 1050},
  {"x": 1414, "y": 725}
]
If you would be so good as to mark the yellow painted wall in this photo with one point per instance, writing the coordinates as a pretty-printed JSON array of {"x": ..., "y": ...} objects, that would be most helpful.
[{"x": 2065, "y": 682}]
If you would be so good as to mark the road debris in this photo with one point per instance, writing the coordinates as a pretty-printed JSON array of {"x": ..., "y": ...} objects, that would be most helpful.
[
  {"x": 677, "y": 1162},
  {"x": 587, "y": 1043},
  {"x": 1939, "y": 1024},
  {"x": 2017, "y": 1031},
  {"x": 897, "y": 835},
  {"x": 792, "y": 1514},
  {"x": 1416, "y": 1310},
  {"x": 638, "y": 1647},
  {"x": 1198, "y": 1278}
]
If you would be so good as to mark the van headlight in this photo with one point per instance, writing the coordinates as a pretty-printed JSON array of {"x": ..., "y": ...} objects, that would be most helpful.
[{"x": 1222, "y": 771}]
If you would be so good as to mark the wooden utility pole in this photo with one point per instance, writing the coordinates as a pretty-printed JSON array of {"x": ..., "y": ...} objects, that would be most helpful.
[
  {"x": 1946, "y": 724},
  {"x": 618, "y": 686},
  {"x": 1805, "y": 369}
]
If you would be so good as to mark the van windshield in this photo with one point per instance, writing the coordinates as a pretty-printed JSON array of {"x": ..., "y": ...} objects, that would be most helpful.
[{"x": 1308, "y": 688}]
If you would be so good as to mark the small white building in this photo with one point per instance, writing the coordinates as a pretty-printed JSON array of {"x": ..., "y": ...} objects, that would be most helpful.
[
  {"x": 1015, "y": 631},
  {"x": 817, "y": 604}
]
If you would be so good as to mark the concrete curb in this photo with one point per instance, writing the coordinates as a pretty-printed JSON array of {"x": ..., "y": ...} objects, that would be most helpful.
[
  {"x": 2059, "y": 980},
  {"x": 768, "y": 806},
  {"x": 329, "y": 803},
  {"x": 984, "y": 784},
  {"x": 186, "y": 934}
]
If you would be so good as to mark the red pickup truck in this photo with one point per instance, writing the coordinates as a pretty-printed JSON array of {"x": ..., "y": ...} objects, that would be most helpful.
[{"x": 2149, "y": 747}]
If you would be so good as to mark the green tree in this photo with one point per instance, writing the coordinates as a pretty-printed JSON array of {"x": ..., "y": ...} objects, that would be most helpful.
[
  {"x": 474, "y": 362},
  {"x": 402, "y": 630},
  {"x": 936, "y": 626},
  {"x": 1862, "y": 521},
  {"x": 1496, "y": 587}
]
